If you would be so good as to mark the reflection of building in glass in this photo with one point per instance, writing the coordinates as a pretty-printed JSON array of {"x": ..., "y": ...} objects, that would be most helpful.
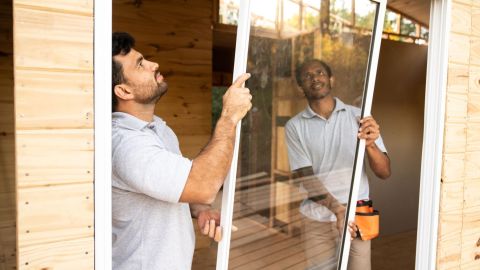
[{"x": 289, "y": 17}]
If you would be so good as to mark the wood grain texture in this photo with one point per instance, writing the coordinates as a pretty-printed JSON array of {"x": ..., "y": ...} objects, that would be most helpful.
[
  {"x": 53, "y": 40},
  {"x": 43, "y": 219},
  {"x": 53, "y": 157},
  {"x": 177, "y": 35},
  {"x": 67, "y": 100},
  {"x": 462, "y": 18},
  {"x": 84, "y": 7},
  {"x": 65, "y": 255},
  {"x": 54, "y": 120},
  {"x": 459, "y": 232},
  {"x": 459, "y": 49}
]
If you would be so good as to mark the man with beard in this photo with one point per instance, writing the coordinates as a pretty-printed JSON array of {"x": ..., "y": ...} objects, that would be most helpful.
[
  {"x": 155, "y": 190},
  {"x": 321, "y": 142}
]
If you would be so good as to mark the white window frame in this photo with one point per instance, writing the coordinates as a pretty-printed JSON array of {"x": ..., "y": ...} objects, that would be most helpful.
[
  {"x": 432, "y": 143},
  {"x": 433, "y": 130},
  {"x": 103, "y": 133}
]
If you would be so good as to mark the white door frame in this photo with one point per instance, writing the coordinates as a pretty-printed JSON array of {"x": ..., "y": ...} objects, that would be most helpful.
[
  {"x": 432, "y": 144},
  {"x": 103, "y": 133},
  {"x": 433, "y": 130}
]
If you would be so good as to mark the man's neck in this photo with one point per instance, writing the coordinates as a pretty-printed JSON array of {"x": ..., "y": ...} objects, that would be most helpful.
[
  {"x": 143, "y": 112},
  {"x": 323, "y": 107}
]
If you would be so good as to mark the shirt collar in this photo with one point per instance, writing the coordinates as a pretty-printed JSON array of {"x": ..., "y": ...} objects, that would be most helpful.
[
  {"x": 339, "y": 106},
  {"x": 132, "y": 122}
]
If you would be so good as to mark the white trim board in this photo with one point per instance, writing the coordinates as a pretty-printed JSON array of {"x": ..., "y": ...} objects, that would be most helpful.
[
  {"x": 241, "y": 55},
  {"x": 103, "y": 133},
  {"x": 430, "y": 176}
]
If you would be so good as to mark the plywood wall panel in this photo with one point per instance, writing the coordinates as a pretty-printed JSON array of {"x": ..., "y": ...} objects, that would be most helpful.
[
  {"x": 54, "y": 120},
  {"x": 177, "y": 35},
  {"x": 462, "y": 16},
  {"x": 459, "y": 51},
  {"x": 454, "y": 167},
  {"x": 70, "y": 102},
  {"x": 52, "y": 40},
  {"x": 71, "y": 6},
  {"x": 474, "y": 80},
  {"x": 464, "y": 57},
  {"x": 54, "y": 213},
  {"x": 475, "y": 51},
  {"x": 53, "y": 157},
  {"x": 74, "y": 254},
  {"x": 458, "y": 76}
]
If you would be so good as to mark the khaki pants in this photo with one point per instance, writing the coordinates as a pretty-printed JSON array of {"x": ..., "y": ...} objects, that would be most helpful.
[{"x": 321, "y": 247}]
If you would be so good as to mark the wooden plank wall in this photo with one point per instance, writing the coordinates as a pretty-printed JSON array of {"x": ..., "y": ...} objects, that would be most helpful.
[
  {"x": 177, "y": 34},
  {"x": 53, "y": 66},
  {"x": 7, "y": 144},
  {"x": 459, "y": 229}
]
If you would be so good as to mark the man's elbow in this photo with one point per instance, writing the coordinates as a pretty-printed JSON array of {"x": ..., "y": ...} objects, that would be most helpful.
[{"x": 384, "y": 174}]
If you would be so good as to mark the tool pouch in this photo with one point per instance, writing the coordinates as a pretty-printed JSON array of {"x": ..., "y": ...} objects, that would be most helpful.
[{"x": 367, "y": 220}]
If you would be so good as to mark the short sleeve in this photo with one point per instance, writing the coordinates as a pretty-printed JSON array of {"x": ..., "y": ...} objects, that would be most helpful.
[
  {"x": 297, "y": 156},
  {"x": 381, "y": 146},
  {"x": 141, "y": 165}
]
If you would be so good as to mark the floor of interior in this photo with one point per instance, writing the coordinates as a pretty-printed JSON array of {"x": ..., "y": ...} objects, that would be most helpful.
[{"x": 255, "y": 246}]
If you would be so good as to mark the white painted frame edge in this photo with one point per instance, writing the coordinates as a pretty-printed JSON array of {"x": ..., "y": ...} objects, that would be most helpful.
[
  {"x": 430, "y": 175},
  {"x": 240, "y": 66},
  {"x": 102, "y": 52},
  {"x": 366, "y": 111}
]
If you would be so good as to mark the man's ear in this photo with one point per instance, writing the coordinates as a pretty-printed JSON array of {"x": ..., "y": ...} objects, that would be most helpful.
[
  {"x": 332, "y": 81},
  {"x": 123, "y": 92}
]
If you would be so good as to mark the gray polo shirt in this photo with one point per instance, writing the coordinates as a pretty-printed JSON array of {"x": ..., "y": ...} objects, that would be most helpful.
[
  {"x": 150, "y": 228},
  {"x": 328, "y": 145}
]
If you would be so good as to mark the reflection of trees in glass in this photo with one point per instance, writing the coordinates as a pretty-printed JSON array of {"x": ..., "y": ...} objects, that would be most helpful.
[
  {"x": 366, "y": 21},
  {"x": 311, "y": 20},
  {"x": 339, "y": 9},
  {"x": 407, "y": 27},
  {"x": 217, "y": 95},
  {"x": 348, "y": 62}
]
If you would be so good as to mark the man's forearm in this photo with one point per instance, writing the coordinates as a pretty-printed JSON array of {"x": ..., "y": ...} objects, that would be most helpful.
[
  {"x": 317, "y": 192},
  {"x": 379, "y": 161},
  {"x": 217, "y": 157}
]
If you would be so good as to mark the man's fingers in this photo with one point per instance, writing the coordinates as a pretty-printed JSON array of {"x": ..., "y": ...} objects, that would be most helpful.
[
  {"x": 211, "y": 232},
  {"x": 218, "y": 234},
  {"x": 241, "y": 79},
  {"x": 234, "y": 228},
  {"x": 206, "y": 228}
]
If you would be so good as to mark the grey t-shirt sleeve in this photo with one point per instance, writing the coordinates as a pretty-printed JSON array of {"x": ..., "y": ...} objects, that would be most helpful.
[
  {"x": 297, "y": 156},
  {"x": 141, "y": 165},
  {"x": 381, "y": 146}
]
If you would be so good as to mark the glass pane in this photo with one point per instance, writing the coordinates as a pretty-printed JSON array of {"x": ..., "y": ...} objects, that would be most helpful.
[
  {"x": 298, "y": 143},
  {"x": 392, "y": 20},
  {"x": 228, "y": 11},
  {"x": 264, "y": 13},
  {"x": 291, "y": 17},
  {"x": 364, "y": 14},
  {"x": 424, "y": 33},
  {"x": 311, "y": 18},
  {"x": 341, "y": 12},
  {"x": 408, "y": 28},
  {"x": 313, "y": 3}
]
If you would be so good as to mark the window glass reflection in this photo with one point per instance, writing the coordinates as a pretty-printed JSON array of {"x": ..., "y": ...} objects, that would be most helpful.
[{"x": 296, "y": 160}]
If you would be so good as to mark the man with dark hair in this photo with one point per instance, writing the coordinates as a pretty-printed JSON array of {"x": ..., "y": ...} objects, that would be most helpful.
[
  {"x": 155, "y": 190},
  {"x": 321, "y": 142}
]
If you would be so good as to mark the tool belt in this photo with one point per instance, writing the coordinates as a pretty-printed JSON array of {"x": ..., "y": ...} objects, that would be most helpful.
[{"x": 367, "y": 220}]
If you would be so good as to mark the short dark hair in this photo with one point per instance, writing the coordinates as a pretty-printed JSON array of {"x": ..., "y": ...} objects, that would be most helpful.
[
  {"x": 122, "y": 43},
  {"x": 298, "y": 71}
]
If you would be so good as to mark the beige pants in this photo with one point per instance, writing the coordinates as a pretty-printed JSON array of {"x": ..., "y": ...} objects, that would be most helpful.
[{"x": 321, "y": 247}]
